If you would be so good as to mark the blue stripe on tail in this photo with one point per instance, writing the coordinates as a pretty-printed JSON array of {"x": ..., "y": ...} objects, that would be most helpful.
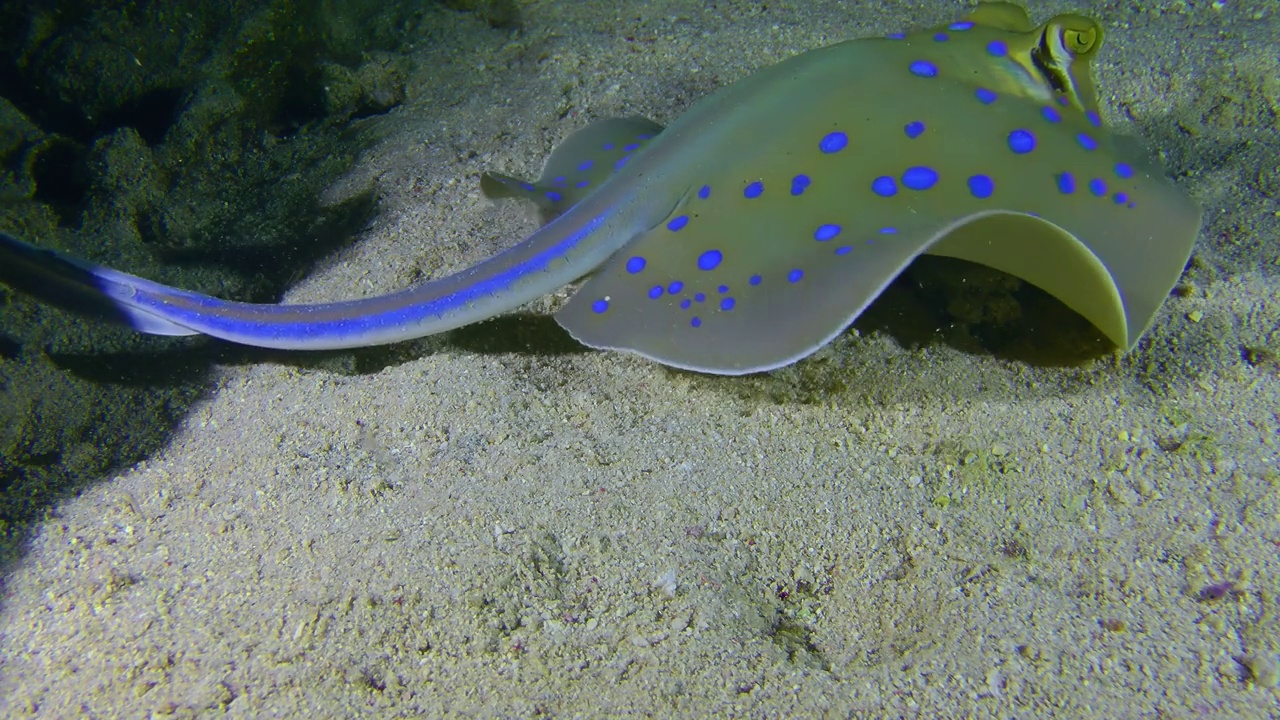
[{"x": 79, "y": 286}]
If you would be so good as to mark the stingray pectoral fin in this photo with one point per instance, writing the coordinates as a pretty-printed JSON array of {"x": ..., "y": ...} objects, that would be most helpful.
[
  {"x": 1113, "y": 259},
  {"x": 577, "y": 166},
  {"x": 1046, "y": 256},
  {"x": 80, "y": 286},
  {"x": 497, "y": 186},
  {"x": 775, "y": 292},
  {"x": 589, "y": 156},
  {"x": 1145, "y": 248},
  {"x": 1002, "y": 15}
]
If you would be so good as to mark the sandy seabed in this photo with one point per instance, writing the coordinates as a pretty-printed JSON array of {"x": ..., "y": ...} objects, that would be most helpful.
[{"x": 480, "y": 528}]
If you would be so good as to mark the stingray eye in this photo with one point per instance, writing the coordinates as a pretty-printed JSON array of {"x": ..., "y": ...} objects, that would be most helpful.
[{"x": 1079, "y": 42}]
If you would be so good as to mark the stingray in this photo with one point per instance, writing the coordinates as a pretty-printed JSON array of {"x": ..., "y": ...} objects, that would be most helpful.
[{"x": 758, "y": 225}]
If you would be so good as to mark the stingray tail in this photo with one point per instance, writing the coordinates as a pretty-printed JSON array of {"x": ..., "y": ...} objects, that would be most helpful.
[{"x": 82, "y": 287}]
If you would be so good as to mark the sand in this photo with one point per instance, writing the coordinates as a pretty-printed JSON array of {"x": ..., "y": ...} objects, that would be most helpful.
[{"x": 497, "y": 522}]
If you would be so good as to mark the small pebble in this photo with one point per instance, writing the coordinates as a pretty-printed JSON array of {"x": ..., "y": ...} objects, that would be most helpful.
[{"x": 1263, "y": 670}]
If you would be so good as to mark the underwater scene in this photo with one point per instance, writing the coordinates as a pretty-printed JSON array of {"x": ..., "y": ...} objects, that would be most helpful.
[{"x": 658, "y": 358}]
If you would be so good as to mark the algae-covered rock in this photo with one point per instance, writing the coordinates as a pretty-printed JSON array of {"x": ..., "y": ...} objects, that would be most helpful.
[{"x": 498, "y": 13}]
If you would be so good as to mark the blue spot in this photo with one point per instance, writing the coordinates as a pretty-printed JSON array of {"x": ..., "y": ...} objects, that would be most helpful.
[
  {"x": 920, "y": 177},
  {"x": 635, "y": 264},
  {"x": 1124, "y": 170},
  {"x": 677, "y": 223},
  {"x": 1093, "y": 118},
  {"x": 710, "y": 259},
  {"x": 888, "y": 230},
  {"x": 914, "y": 129},
  {"x": 985, "y": 96},
  {"x": 1051, "y": 114},
  {"x": 1086, "y": 142},
  {"x": 675, "y": 287},
  {"x": 644, "y": 136},
  {"x": 844, "y": 250},
  {"x": 941, "y": 37},
  {"x": 826, "y": 232},
  {"x": 528, "y": 186},
  {"x": 799, "y": 183},
  {"x": 923, "y": 68},
  {"x": 1098, "y": 187},
  {"x": 655, "y": 292},
  {"x": 562, "y": 180},
  {"x": 704, "y": 192},
  {"x": 754, "y": 280},
  {"x": 754, "y": 190},
  {"x": 884, "y": 186},
  {"x": 1022, "y": 141},
  {"x": 795, "y": 275},
  {"x": 833, "y": 142},
  {"x": 632, "y": 147},
  {"x": 961, "y": 26},
  {"x": 685, "y": 304},
  {"x": 553, "y": 196},
  {"x": 1066, "y": 183},
  {"x": 1063, "y": 101},
  {"x": 699, "y": 297},
  {"x": 582, "y": 183},
  {"x": 896, "y": 36},
  {"x": 722, "y": 289},
  {"x": 981, "y": 186},
  {"x": 608, "y": 146},
  {"x": 727, "y": 304},
  {"x": 695, "y": 321},
  {"x": 1120, "y": 198},
  {"x": 997, "y": 48},
  {"x": 621, "y": 161},
  {"x": 598, "y": 307}
]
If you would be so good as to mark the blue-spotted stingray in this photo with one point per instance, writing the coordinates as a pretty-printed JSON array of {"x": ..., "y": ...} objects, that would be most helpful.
[{"x": 763, "y": 221}]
